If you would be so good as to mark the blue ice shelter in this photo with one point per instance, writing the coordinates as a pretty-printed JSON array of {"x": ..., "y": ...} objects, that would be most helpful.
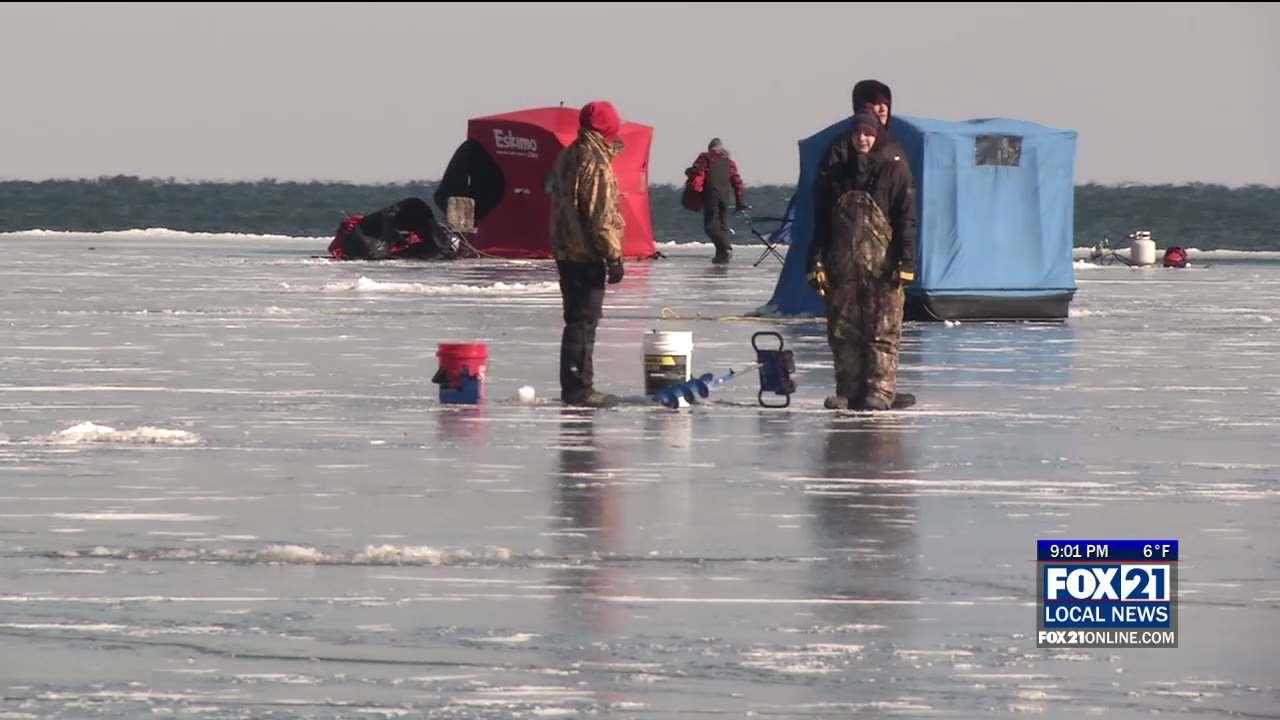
[{"x": 995, "y": 201}]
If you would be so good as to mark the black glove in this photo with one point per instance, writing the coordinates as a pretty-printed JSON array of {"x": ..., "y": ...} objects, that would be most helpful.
[{"x": 615, "y": 272}]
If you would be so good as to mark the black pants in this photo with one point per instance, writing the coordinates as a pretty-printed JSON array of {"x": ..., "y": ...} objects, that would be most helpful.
[
  {"x": 715, "y": 221},
  {"x": 582, "y": 291}
]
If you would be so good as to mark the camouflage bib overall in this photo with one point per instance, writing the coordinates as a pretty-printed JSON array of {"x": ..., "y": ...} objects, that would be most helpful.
[{"x": 864, "y": 304}]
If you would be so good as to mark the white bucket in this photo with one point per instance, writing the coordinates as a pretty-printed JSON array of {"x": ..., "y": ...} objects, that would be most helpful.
[
  {"x": 1142, "y": 251},
  {"x": 668, "y": 359}
]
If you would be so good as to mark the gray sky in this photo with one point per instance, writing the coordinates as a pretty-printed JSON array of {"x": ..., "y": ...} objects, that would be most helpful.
[{"x": 375, "y": 92}]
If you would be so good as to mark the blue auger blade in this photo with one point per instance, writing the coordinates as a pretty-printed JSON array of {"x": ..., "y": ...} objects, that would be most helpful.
[
  {"x": 703, "y": 388},
  {"x": 689, "y": 395},
  {"x": 669, "y": 397}
]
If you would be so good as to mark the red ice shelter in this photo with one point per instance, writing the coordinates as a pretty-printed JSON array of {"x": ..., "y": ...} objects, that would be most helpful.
[{"x": 504, "y": 163}]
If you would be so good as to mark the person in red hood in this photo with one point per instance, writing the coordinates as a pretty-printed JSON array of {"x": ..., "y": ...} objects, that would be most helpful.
[{"x": 586, "y": 240}]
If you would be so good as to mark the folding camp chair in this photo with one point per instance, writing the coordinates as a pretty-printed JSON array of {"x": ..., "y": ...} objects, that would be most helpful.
[
  {"x": 770, "y": 241},
  {"x": 780, "y": 235}
]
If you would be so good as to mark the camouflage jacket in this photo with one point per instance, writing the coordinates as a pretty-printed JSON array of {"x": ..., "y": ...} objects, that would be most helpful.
[
  {"x": 885, "y": 175},
  {"x": 586, "y": 224}
]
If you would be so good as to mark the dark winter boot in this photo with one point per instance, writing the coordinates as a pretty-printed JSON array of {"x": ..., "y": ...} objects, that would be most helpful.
[
  {"x": 874, "y": 402},
  {"x": 594, "y": 399}
]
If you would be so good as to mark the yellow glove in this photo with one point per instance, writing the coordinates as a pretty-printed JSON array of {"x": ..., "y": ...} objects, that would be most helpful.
[{"x": 817, "y": 277}]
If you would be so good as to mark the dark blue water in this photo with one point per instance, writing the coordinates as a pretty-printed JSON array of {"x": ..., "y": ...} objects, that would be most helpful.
[{"x": 1201, "y": 216}]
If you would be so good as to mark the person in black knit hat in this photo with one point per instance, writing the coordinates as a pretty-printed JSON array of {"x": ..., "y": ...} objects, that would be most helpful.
[{"x": 861, "y": 256}]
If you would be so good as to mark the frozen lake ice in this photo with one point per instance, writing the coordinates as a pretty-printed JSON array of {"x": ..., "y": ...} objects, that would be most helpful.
[{"x": 228, "y": 490}]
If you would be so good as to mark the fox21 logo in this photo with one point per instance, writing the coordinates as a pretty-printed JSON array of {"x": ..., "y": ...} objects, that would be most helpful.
[{"x": 1106, "y": 593}]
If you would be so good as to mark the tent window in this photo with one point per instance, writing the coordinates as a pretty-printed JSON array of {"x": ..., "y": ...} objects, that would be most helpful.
[{"x": 998, "y": 150}]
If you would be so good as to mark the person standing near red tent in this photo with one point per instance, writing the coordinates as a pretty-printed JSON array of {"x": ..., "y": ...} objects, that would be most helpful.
[
  {"x": 586, "y": 240},
  {"x": 862, "y": 253},
  {"x": 720, "y": 181}
]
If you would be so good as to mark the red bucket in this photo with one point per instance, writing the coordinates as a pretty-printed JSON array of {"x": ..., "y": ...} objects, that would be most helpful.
[{"x": 457, "y": 362}]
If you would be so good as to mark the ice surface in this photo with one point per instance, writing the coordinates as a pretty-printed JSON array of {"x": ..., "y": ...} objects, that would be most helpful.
[{"x": 287, "y": 522}]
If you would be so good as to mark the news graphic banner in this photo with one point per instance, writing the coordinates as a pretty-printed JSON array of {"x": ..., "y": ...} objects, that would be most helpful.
[{"x": 1106, "y": 593}]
